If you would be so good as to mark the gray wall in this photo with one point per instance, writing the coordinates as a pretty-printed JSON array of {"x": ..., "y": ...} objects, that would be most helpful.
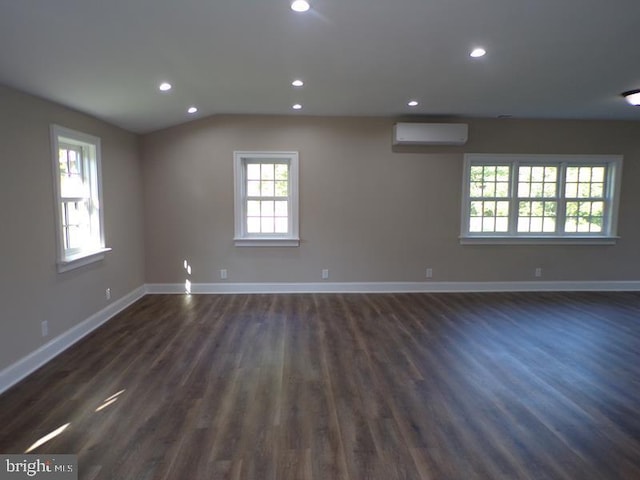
[
  {"x": 368, "y": 212},
  {"x": 32, "y": 290}
]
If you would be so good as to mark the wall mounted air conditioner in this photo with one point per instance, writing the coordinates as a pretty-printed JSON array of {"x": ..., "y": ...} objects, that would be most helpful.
[{"x": 430, "y": 133}]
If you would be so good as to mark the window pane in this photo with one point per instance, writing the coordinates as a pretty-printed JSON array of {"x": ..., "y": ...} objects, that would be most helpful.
[
  {"x": 489, "y": 209},
  {"x": 489, "y": 173},
  {"x": 502, "y": 224},
  {"x": 282, "y": 188},
  {"x": 281, "y": 209},
  {"x": 537, "y": 174},
  {"x": 476, "y": 209},
  {"x": 267, "y": 208},
  {"x": 502, "y": 174},
  {"x": 267, "y": 171},
  {"x": 488, "y": 224},
  {"x": 502, "y": 189},
  {"x": 523, "y": 224},
  {"x": 475, "y": 224},
  {"x": 597, "y": 174},
  {"x": 550, "y": 174},
  {"x": 584, "y": 190},
  {"x": 475, "y": 189},
  {"x": 571, "y": 190},
  {"x": 282, "y": 171},
  {"x": 253, "y": 208},
  {"x": 597, "y": 190},
  {"x": 584, "y": 174},
  {"x": 536, "y": 224},
  {"x": 549, "y": 225},
  {"x": 267, "y": 225},
  {"x": 282, "y": 225},
  {"x": 536, "y": 190},
  {"x": 489, "y": 189},
  {"x": 549, "y": 190},
  {"x": 253, "y": 171},
  {"x": 267, "y": 188},
  {"x": 253, "y": 224},
  {"x": 253, "y": 188},
  {"x": 524, "y": 190},
  {"x": 572, "y": 174},
  {"x": 502, "y": 209},
  {"x": 571, "y": 225},
  {"x": 524, "y": 174}
]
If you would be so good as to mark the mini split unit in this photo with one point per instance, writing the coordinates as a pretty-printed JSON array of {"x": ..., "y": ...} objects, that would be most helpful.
[{"x": 430, "y": 133}]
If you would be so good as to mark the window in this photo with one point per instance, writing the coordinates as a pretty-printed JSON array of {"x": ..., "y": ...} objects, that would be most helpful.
[
  {"x": 266, "y": 198},
  {"x": 540, "y": 198},
  {"x": 76, "y": 166}
]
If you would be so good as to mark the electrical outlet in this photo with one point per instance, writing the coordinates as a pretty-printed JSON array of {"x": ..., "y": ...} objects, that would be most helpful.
[
  {"x": 45, "y": 328},
  {"x": 107, "y": 294},
  {"x": 538, "y": 272},
  {"x": 325, "y": 273},
  {"x": 429, "y": 273},
  {"x": 223, "y": 274}
]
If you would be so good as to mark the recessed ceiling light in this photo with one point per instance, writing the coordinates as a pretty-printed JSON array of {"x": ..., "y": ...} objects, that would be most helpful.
[
  {"x": 192, "y": 110},
  {"x": 412, "y": 103},
  {"x": 478, "y": 52},
  {"x": 300, "y": 5},
  {"x": 297, "y": 106},
  {"x": 297, "y": 83},
  {"x": 632, "y": 96},
  {"x": 165, "y": 87}
]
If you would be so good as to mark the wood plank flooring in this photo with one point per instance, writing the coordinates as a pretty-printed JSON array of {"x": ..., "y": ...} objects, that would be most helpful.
[{"x": 331, "y": 387}]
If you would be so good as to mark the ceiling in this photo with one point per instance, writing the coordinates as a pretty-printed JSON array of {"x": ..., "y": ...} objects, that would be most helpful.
[{"x": 545, "y": 58}]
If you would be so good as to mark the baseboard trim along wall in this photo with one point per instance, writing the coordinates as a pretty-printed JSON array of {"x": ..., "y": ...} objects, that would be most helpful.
[
  {"x": 393, "y": 287},
  {"x": 29, "y": 364}
]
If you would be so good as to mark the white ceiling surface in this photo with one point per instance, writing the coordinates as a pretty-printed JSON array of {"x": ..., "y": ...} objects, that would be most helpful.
[{"x": 546, "y": 58}]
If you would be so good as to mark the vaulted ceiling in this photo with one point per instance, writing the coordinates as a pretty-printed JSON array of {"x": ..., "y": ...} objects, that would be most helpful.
[{"x": 545, "y": 58}]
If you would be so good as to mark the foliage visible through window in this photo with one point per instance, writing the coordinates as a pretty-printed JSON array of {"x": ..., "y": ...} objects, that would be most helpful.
[
  {"x": 552, "y": 196},
  {"x": 266, "y": 198},
  {"x": 77, "y": 179}
]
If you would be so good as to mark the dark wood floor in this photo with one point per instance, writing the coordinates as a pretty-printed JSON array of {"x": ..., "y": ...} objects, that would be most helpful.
[{"x": 330, "y": 387}]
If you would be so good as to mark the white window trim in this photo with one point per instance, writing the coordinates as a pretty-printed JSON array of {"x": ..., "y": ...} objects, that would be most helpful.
[
  {"x": 612, "y": 201},
  {"x": 244, "y": 239},
  {"x": 70, "y": 260}
]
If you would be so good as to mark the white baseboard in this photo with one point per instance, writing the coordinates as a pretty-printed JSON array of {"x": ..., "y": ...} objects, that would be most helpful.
[
  {"x": 27, "y": 365},
  {"x": 395, "y": 287},
  {"x": 19, "y": 370}
]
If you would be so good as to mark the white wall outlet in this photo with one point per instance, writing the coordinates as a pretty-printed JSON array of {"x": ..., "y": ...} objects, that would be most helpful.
[
  {"x": 538, "y": 272},
  {"x": 325, "y": 273},
  {"x": 429, "y": 273},
  {"x": 107, "y": 294},
  {"x": 223, "y": 274},
  {"x": 45, "y": 327}
]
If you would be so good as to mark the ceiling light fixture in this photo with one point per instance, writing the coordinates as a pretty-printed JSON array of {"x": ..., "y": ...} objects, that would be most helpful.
[
  {"x": 632, "y": 97},
  {"x": 297, "y": 83},
  {"x": 297, "y": 106},
  {"x": 192, "y": 110},
  {"x": 300, "y": 6},
  {"x": 478, "y": 52},
  {"x": 413, "y": 103},
  {"x": 165, "y": 87}
]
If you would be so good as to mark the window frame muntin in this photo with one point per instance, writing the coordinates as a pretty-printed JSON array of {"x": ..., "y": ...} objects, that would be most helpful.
[
  {"x": 241, "y": 237},
  {"x": 90, "y": 145},
  {"x": 612, "y": 185}
]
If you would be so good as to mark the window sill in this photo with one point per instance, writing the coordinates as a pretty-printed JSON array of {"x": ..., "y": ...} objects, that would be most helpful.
[
  {"x": 81, "y": 259},
  {"x": 267, "y": 242},
  {"x": 496, "y": 240}
]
